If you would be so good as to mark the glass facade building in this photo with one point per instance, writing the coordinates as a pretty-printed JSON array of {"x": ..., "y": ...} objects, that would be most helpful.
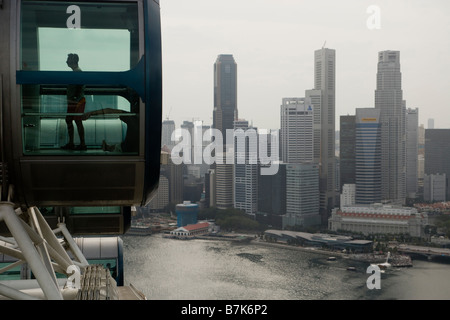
[
  {"x": 437, "y": 153},
  {"x": 225, "y": 92},
  {"x": 368, "y": 156},
  {"x": 302, "y": 195},
  {"x": 347, "y": 150},
  {"x": 389, "y": 100}
]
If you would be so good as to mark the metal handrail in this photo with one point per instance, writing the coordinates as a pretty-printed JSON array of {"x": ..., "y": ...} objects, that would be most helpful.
[{"x": 3, "y": 176}]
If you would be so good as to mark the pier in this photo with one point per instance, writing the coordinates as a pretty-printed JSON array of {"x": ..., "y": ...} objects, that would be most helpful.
[{"x": 428, "y": 252}]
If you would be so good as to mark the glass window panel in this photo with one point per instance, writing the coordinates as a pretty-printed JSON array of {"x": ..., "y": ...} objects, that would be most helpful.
[
  {"x": 98, "y": 50},
  {"x": 11, "y": 274},
  {"x": 62, "y": 119},
  {"x": 107, "y": 40},
  {"x": 110, "y": 124},
  {"x": 95, "y": 210}
]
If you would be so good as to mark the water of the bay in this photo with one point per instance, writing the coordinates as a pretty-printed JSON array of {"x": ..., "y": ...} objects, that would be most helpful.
[{"x": 169, "y": 269}]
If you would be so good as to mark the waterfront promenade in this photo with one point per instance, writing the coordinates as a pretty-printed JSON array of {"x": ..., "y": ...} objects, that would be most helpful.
[{"x": 396, "y": 260}]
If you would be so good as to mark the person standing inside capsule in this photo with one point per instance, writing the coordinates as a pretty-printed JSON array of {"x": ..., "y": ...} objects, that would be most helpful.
[{"x": 76, "y": 103}]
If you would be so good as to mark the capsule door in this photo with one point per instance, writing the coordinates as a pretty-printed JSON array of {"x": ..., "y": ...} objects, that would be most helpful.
[{"x": 80, "y": 126}]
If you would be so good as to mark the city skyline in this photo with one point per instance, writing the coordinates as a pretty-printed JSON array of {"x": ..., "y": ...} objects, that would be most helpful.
[{"x": 274, "y": 49}]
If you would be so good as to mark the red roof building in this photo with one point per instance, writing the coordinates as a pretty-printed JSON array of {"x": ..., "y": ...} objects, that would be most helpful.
[
  {"x": 378, "y": 219},
  {"x": 192, "y": 230}
]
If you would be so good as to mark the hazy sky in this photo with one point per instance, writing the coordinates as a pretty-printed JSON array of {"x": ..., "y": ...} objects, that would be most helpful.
[{"x": 273, "y": 43}]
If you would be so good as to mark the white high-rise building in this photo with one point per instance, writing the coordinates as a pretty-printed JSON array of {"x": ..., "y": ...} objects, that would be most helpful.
[
  {"x": 315, "y": 96},
  {"x": 297, "y": 134},
  {"x": 246, "y": 167},
  {"x": 323, "y": 99},
  {"x": 224, "y": 186},
  {"x": 412, "y": 151},
  {"x": 348, "y": 195},
  {"x": 389, "y": 99}
]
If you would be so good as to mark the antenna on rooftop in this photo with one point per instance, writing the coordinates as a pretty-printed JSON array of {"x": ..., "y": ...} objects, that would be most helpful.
[{"x": 170, "y": 111}]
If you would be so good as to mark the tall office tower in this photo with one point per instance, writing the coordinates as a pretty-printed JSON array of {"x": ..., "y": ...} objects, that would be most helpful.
[
  {"x": 435, "y": 187},
  {"x": 347, "y": 135},
  {"x": 323, "y": 99},
  {"x": 198, "y": 142},
  {"x": 174, "y": 174},
  {"x": 437, "y": 153},
  {"x": 430, "y": 123},
  {"x": 389, "y": 100},
  {"x": 421, "y": 139},
  {"x": 245, "y": 170},
  {"x": 272, "y": 192},
  {"x": 189, "y": 126},
  {"x": 168, "y": 127},
  {"x": 302, "y": 195},
  {"x": 412, "y": 151},
  {"x": 161, "y": 198},
  {"x": 224, "y": 114},
  {"x": 224, "y": 185},
  {"x": 210, "y": 188},
  {"x": 315, "y": 96},
  {"x": 297, "y": 142},
  {"x": 368, "y": 156},
  {"x": 421, "y": 158},
  {"x": 204, "y": 167},
  {"x": 225, "y": 93}
]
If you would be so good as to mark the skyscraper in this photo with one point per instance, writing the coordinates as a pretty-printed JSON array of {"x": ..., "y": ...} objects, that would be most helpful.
[
  {"x": 224, "y": 114},
  {"x": 302, "y": 195},
  {"x": 389, "y": 100},
  {"x": 437, "y": 153},
  {"x": 168, "y": 127},
  {"x": 189, "y": 127},
  {"x": 347, "y": 150},
  {"x": 224, "y": 185},
  {"x": 272, "y": 192},
  {"x": 367, "y": 156},
  {"x": 174, "y": 174},
  {"x": 245, "y": 174},
  {"x": 323, "y": 98},
  {"x": 435, "y": 187},
  {"x": 297, "y": 134},
  {"x": 225, "y": 93},
  {"x": 412, "y": 151}
]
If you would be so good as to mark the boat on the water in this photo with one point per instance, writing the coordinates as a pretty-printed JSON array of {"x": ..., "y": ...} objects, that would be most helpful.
[
  {"x": 331, "y": 259},
  {"x": 384, "y": 265},
  {"x": 139, "y": 229}
]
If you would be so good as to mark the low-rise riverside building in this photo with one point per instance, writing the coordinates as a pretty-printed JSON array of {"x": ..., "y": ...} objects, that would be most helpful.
[{"x": 192, "y": 230}]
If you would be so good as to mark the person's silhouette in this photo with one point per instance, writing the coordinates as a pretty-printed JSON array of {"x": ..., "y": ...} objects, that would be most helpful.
[{"x": 76, "y": 103}]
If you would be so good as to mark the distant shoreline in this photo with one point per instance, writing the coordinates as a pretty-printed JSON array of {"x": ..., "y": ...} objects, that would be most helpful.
[{"x": 396, "y": 260}]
